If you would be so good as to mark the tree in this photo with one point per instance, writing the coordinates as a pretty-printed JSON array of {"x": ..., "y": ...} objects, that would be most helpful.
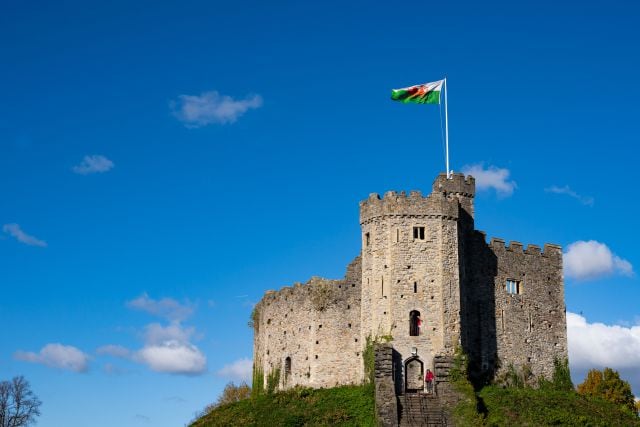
[
  {"x": 232, "y": 393},
  {"x": 608, "y": 385},
  {"x": 19, "y": 406}
]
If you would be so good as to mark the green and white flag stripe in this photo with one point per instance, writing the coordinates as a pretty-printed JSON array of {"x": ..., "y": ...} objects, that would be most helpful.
[{"x": 427, "y": 93}]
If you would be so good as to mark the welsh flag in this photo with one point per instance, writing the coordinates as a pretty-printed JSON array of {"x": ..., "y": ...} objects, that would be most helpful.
[{"x": 427, "y": 93}]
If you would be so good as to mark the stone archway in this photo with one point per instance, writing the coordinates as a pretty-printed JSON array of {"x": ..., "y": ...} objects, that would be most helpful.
[{"x": 413, "y": 375}]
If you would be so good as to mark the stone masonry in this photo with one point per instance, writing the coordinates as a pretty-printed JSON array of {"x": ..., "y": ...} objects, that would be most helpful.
[{"x": 427, "y": 280}]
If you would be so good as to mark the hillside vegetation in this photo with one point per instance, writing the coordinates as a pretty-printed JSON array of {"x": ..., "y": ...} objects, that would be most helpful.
[
  {"x": 535, "y": 407},
  {"x": 343, "y": 406},
  {"x": 354, "y": 406}
]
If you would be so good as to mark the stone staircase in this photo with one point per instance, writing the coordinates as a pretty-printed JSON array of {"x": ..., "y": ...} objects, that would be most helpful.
[{"x": 419, "y": 409}]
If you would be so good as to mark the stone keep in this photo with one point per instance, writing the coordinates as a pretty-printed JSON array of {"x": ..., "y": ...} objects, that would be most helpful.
[{"x": 427, "y": 281}]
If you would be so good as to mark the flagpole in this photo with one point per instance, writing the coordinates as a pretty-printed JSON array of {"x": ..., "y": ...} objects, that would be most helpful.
[{"x": 446, "y": 126}]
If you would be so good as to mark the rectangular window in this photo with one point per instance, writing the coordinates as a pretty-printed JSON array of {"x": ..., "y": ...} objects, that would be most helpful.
[
  {"x": 418, "y": 233},
  {"x": 367, "y": 239},
  {"x": 513, "y": 287}
]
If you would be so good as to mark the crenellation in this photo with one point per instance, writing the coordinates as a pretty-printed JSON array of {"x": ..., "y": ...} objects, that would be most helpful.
[
  {"x": 427, "y": 279},
  {"x": 533, "y": 249},
  {"x": 515, "y": 247}
]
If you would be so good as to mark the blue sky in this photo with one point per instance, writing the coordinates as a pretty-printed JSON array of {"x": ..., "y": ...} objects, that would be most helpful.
[{"x": 163, "y": 164}]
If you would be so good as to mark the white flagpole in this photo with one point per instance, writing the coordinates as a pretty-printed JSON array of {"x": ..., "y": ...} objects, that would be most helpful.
[{"x": 446, "y": 125}]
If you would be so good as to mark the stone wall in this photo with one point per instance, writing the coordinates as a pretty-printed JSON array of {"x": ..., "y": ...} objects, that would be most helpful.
[
  {"x": 386, "y": 405},
  {"x": 316, "y": 326},
  {"x": 527, "y": 327}
]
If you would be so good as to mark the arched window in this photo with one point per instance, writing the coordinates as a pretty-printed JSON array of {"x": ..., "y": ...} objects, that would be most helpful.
[
  {"x": 414, "y": 323},
  {"x": 287, "y": 368}
]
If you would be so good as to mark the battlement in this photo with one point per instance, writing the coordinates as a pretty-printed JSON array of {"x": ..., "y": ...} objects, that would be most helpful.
[
  {"x": 457, "y": 184},
  {"x": 413, "y": 204},
  {"x": 499, "y": 245}
]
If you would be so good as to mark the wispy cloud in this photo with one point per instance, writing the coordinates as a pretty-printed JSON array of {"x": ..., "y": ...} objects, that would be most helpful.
[
  {"x": 113, "y": 350},
  {"x": 585, "y": 260},
  {"x": 142, "y": 418},
  {"x": 491, "y": 177},
  {"x": 167, "y": 308},
  {"x": 597, "y": 345},
  {"x": 566, "y": 190},
  {"x": 93, "y": 164},
  {"x": 15, "y": 231},
  {"x": 58, "y": 356},
  {"x": 210, "y": 107},
  {"x": 241, "y": 370}
]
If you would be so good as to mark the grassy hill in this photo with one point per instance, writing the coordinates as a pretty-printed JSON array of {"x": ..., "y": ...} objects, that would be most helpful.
[
  {"x": 344, "y": 406},
  {"x": 354, "y": 406},
  {"x": 530, "y": 407}
]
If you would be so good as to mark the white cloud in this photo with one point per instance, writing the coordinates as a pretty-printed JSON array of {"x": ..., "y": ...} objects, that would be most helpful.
[
  {"x": 93, "y": 164},
  {"x": 155, "y": 333},
  {"x": 241, "y": 370},
  {"x": 167, "y": 308},
  {"x": 173, "y": 357},
  {"x": 211, "y": 107},
  {"x": 566, "y": 190},
  {"x": 113, "y": 350},
  {"x": 57, "y": 356},
  {"x": 589, "y": 260},
  {"x": 14, "y": 230},
  {"x": 491, "y": 178},
  {"x": 596, "y": 346},
  {"x": 167, "y": 348}
]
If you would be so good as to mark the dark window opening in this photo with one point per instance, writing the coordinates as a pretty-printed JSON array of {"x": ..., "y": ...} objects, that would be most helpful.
[
  {"x": 418, "y": 233},
  {"x": 367, "y": 239},
  {"x": 415, "y": 287},
  {"x": 414, "y": 323},
  {"x": 287, "y": 368}
]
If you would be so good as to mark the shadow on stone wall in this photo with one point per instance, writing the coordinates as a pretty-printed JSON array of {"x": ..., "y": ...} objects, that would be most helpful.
[
  {"x": 398, "y": 375},
  {"x": 478, "y": 270}
]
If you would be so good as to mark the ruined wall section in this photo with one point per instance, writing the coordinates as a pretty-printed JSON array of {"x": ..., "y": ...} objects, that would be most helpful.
[
  {"x": 530, "y": 324},
  {"x": 317, "y": 326}
]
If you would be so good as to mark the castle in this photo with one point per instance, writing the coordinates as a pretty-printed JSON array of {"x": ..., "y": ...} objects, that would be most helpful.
[{"x": 427, "y": 281}]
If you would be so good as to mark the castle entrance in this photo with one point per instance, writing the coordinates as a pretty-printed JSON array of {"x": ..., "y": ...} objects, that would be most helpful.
[{"x": 413, "y": 375}]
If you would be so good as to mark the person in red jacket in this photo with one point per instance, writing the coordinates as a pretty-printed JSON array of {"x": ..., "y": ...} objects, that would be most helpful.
[{"x": 428, "y": 379}]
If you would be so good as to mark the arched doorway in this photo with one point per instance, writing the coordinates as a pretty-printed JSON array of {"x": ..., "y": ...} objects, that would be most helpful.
[{"x": 413, "y": 375}]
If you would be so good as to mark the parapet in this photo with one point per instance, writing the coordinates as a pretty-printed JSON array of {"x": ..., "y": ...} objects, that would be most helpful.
[
  {"x": 414, "y": 204},
  {"x": 550, "y": 249},
  {"x": 456, "y": 184}
]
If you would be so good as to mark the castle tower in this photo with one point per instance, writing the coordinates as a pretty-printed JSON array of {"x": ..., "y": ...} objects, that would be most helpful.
[{"x": 411, "y": 267}]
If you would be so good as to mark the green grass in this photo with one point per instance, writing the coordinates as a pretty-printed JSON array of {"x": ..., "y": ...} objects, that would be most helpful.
[
  {"x": 354, "y": 406},
  {"x": 531, "y": 407},
  {"x": 340, "y": 406}
]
